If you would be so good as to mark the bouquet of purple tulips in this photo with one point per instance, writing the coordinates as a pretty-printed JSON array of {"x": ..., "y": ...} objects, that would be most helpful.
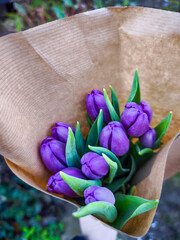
[{"x": 97, "y": 171}]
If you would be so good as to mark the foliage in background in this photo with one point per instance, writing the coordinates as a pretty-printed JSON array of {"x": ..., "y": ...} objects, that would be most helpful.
[
  {"x": 32, "y": 13},
  {"x": 23, "y": 214}
]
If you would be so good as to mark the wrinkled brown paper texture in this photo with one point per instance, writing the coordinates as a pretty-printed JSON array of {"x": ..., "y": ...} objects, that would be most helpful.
[{"x": 46, "y": 72}]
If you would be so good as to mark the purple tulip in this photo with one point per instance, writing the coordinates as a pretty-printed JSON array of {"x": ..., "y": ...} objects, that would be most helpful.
[
  {"x": 56, "y": 183},
  {"x": 94, "y": 166},
  {"x": 60, "y": 131},
  {"x": 136, "y": 118},
  {"x": 52, "y": 153},
  {"x": 96, "y": 193},
  {"x": 114, "y": 138},
  {"x": 94, "y": 102},
  {"x": 148, "y": 138}
]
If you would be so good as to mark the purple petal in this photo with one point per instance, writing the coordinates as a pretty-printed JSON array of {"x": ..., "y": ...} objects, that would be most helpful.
[
  {"x": 147, "y": 109},
  {"x": 105, "y": 136},
  {"x": 128, "y": 117},
  {"x": 148, "y": 138},
  {"x": 100, "y": 102},
  {"x": 115, "y": 124},
  {"x": 88, "y": 156},
  {"x": 96, "y": 92},
  {"x": 88, "y": 173},
  {"x": 60, "y": 131},
  {"x": 58, "y": 148},
  {"x": 133, "y": 105},
  {"x": 90, "y": 191},
  {"x": 46, "y": 140},
  {"x": 104, "y": 194},
  {"x": 140, "y": 126},
  {"x": 50, "y": 161},
  {"x": 75, "y": 172},
  {"x": 119, "y": 142},
  {"x": 58, "y": 185},
  {"x": 91, "y": 108},
  {"x": 99, "y": 166},
  {"x": 90, "y": 199}
]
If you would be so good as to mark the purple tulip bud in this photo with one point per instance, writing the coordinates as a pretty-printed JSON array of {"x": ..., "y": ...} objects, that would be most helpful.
[
  {"x": 114, "y": 138},
  {"x": 60, "y": 131},
  {"x": 148, "y": 138},
  {"x": 94, "y": 102},
  {"x": 56, "y": 183},
  {"x": 52, "y": 153},
  {"x": 96, "y": 193},
  {"x": 94, "y": 166},
  {"x": 136, "y": 118}
]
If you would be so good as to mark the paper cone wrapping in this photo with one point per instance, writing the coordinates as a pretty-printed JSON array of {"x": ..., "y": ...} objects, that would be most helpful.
[{"x": 46, "y": 72}]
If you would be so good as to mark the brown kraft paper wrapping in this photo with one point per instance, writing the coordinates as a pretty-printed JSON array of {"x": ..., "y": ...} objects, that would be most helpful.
[{"x": 46, "y": 72}]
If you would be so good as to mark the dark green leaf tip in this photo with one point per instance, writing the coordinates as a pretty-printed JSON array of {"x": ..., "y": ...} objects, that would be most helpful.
[
  {"x": 90, "y": 123},
  {"x": 161, "y": 129},
  {"x": 93, "y": 136},
  {"x": 114, "y": 101},
  {"x": 135, "y": 95},
  {"x": 112, "y": 111},
  {"x": 80, "y": 142},
  {"x": 72, "y": 157}
]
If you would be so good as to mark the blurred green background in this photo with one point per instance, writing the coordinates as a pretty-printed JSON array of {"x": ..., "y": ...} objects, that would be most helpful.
[
  {"x": 27, "y": 214},
  {"x": 21, "y": 15}
]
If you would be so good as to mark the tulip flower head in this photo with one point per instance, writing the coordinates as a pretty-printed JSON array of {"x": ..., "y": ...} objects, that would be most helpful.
[
  {"x": 56, "y": 183},
  {"x": 60, "y": 131},
  {"x": 94, "y": 166},
  {"x": 114, "y": 138},
  {"x": 94, "y": 102},
  {"x": 148, "y": 138},
  {"x": 136, "y": 118},
  {"x": 52, "y": 153},
  {"x": 96, "y": 193}
]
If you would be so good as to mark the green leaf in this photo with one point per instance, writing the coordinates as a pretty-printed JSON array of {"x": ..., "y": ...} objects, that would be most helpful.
[
  {"x": 72, "y": 157},
  {"x": 135, "y": 95},
  {"x": 130, "y": 206},
  {"x": 100, "y": 150},
  {"x": 90, "y": 123},
  {"x": 141, "y": 156},
  {"x": 161, "y": 129},
  {"x": 145, "y": 151},
  {"x": 93, "y": 136},
  {"x": 112, "y": 169},
  {"x": 112, "y": 111},
  {"x": 80, "y": 142},
  {"x": 117, "y": 184},
  {"x": 115, "y": 101},
  {"x": 131, "y": 191},
  {"x": 104, "y": 210},
  {"x": 78, "y": 185}
]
